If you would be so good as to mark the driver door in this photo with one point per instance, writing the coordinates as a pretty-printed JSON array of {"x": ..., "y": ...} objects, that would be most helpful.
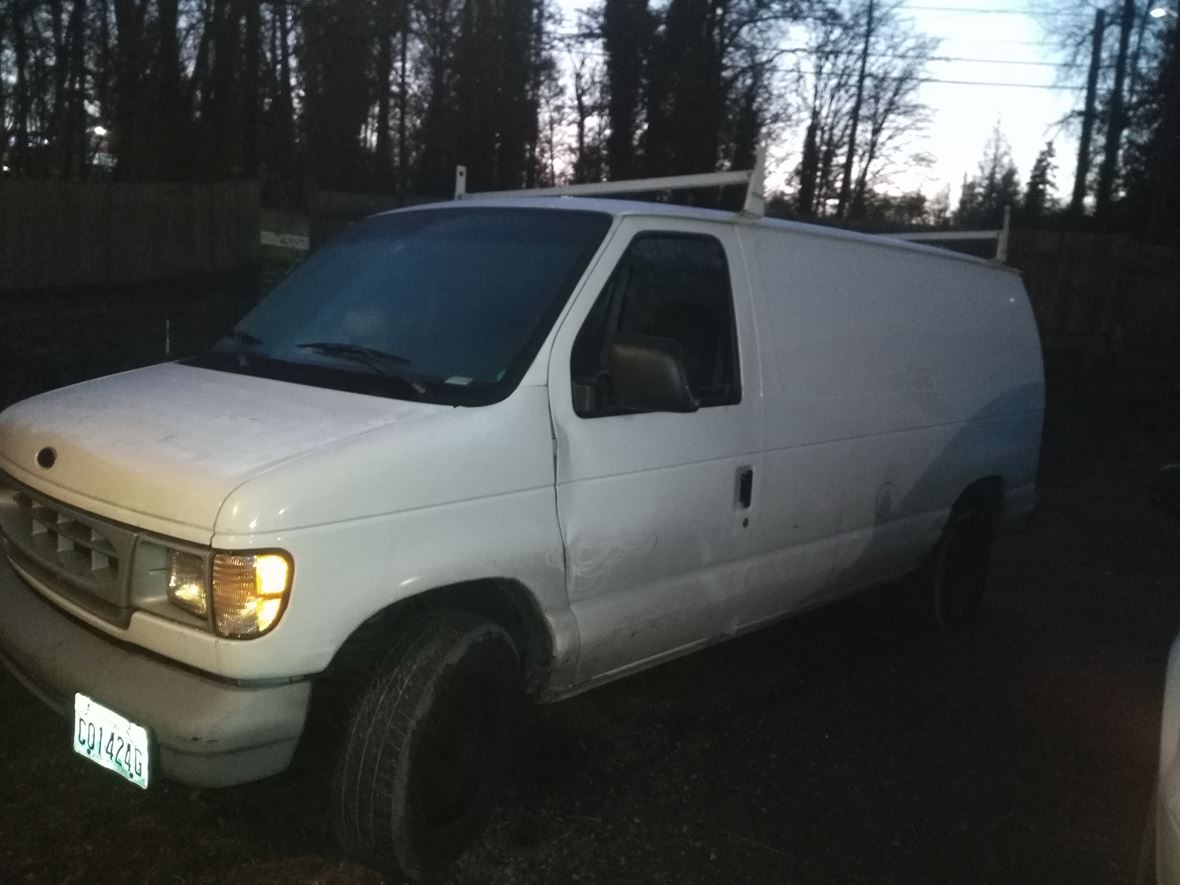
[{"x": 655, "y": 508}]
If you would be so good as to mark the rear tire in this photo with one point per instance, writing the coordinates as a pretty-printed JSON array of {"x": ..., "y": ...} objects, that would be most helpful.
[
  {"x": 429, "y": 744},
  {"x": 952, "y": 582}
]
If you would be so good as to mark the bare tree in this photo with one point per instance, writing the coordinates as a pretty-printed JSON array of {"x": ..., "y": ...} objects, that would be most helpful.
[
  {"x": 588, "y": 150},
  {"x": 886, "y": 122},
  {"x": 893, "y": 114}
]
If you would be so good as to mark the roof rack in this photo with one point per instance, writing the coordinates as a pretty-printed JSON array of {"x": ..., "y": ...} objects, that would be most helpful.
[
  {"x": 754, "y": 206},
  {"x": 1000, "y": 236}
]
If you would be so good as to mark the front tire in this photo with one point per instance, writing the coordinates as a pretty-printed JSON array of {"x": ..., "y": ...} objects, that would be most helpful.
[{"x": 429, "y": 744}]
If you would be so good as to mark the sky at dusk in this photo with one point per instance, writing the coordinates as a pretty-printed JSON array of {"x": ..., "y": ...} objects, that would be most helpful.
[
  {"x": 1012, "y": 47},
  {"x": 981, "y": 42}
]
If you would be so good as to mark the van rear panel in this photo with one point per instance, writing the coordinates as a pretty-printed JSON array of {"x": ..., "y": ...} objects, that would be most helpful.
[{"x": 898, "y": 374}]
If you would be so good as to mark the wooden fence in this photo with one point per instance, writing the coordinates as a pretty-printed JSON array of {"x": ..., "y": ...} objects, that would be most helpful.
[
  {"x": 332, "y": 211},
  {"x": 62, "y": 234},
  {"x": 1103, "y": 299}
]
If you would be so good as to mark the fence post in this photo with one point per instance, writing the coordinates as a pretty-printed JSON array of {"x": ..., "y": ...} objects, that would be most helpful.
[{"x": 1002, "y": 239}]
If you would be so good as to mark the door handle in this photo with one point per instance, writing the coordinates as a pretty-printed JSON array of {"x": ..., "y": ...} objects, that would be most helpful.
[{"x": 745, "y": 487}]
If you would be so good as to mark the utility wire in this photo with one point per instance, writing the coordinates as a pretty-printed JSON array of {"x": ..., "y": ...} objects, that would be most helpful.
[
  {"x": 950, "y": 82},
  {"x": 983, "y": 10},
  {"x": 945, "y": 58},
  {"x": 941, "y": 59},
  {"x": 997, "y": 40},
  {"x": 594, "y": 37},
  {"x": 1002, "y": 85},
  {"x": 944, "y": 80}
]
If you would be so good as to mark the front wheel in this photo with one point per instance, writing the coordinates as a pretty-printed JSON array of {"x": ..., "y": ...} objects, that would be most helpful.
[
  {"x": 952, "y": 582},
  {"x": 429, "y": 743}
]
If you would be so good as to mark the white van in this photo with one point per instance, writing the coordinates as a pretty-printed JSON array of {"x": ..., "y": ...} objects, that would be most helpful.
[{"x": 475, "y": 452}]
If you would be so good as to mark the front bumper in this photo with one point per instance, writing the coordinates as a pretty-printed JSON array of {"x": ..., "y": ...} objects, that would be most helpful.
[{"x": 209, "y": 732}]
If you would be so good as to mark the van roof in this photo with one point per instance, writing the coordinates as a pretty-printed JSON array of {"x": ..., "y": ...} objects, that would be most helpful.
[{"x": 620, "y": 208}]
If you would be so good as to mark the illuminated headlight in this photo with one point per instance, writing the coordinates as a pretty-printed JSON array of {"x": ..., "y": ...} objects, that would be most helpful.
[
  {"x": 186, "y": 582},
  {"x": 249, "y": 592}
]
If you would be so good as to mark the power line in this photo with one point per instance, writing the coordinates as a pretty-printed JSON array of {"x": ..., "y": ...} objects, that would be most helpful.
[
  {"x": 997, "y": 40},
  {"x": 945, "y": 58},
  {"x": 993, "y": 61},
  {"x": 984, "y": 10},
  {"x": 597, "y": 53},
  {"x": 951, "y": 82},
  {"x": 937, "y": 80},
  {"x": 1001, "y": 84},
  {"x": 586, "y": 35}
]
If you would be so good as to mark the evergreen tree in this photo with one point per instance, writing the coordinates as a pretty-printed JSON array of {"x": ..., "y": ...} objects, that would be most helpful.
[
  {"x": 996, "y": 186},
  {"x": 1038, "y": 197}
]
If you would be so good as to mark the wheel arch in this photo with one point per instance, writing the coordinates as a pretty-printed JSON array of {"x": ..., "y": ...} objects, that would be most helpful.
[
  {"x": 986, "y": 493},
  {"x": 503, "y": 601}
]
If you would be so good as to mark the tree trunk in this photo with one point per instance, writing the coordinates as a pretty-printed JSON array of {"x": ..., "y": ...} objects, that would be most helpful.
[
  {"x": 221, "y": 114},
  {"x": 22, "y": 98},
  {"x": 1083, "y": 168},
  {"x": 57, "y": 117},
  {"x": 106, "y": 65},
  {"x": 846, "y": 182},
  {"x": 1115, "y": 121},
  {"x": 808, "y": 170},
  {"x": 3, "y": 83},
  {"x": 169, "y": 111},
  {"x": 1164, "y": 220},
  {"x": 403, "y": 159},
  {"x": 581, "y": 160},
  {"x": 286, "y": 101},
  {"x": 626, "y": 40},
  {"x": 251, "y": 88},
  {"x": 75, "y": 151},
  {"x": 384, "y": 146}
]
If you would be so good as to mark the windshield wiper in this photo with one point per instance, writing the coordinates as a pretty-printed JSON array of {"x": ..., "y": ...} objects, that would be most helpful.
[{"x": 378, "y": 360}]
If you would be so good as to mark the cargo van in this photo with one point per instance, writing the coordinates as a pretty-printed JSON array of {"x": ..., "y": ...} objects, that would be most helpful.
[{"x": 485, "y": 451}]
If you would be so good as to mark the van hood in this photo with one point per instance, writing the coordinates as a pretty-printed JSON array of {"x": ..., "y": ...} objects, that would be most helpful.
[{"x": 162, "y": 447}]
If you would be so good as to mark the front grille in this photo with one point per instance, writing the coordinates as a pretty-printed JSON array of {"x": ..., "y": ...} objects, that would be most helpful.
[
  {"x": 74, "y": 547},
  {"x": 80, "y": 556}
]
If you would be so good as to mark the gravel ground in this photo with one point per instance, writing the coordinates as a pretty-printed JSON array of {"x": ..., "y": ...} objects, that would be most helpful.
[{"x": 843, "y": 746}]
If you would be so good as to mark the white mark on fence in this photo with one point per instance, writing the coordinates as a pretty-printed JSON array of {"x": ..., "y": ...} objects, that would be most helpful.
[{"x": 284, "y": 241}]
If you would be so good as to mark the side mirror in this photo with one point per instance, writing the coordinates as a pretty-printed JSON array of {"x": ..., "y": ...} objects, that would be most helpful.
[
  {"x": 1165, "y": 491},
  {"x": 648, "y": 374}
]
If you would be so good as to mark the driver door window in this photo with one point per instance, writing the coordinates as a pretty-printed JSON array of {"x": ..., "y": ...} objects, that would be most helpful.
[{"x": 673, "y": 286}]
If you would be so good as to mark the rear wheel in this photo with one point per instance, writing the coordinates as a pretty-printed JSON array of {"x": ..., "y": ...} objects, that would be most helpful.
[
  {"x": 952, "y": 582},
  {"x": 429, "y": 743}
]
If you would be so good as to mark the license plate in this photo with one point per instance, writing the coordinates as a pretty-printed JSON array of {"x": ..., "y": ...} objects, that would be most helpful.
[{"x": 105, "y": 737}]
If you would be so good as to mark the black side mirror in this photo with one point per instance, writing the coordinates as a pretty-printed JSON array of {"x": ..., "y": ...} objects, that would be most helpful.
[
  {"x": 648, "y": 374},
  {"x": 1165, "y": 491}
]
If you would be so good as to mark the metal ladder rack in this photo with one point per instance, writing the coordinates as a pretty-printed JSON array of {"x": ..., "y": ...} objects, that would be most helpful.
[
  {"x": 1000, "y": 235},
  {"x": 753, "y": 207}
]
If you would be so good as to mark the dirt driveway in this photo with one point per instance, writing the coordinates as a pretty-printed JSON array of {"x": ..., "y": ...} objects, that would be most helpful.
[{"x": 839, "y": 747}]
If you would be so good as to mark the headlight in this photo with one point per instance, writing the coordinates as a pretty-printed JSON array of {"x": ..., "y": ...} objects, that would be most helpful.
[
  {"x": 186, "y": 582},
  {"x": 247, "y": 592}
]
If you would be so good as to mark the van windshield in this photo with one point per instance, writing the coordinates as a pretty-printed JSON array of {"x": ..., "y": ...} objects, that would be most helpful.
[{"x": 442, "y": 305}]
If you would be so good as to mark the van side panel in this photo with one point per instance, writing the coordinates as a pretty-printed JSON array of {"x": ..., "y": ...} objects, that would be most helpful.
[{"x": 906, "y": 374}]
